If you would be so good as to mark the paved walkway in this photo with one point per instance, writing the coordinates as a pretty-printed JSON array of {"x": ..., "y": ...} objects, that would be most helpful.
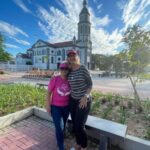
[
  {"x": 33, "y": 134},
  {"x": 29, "y": 134}
]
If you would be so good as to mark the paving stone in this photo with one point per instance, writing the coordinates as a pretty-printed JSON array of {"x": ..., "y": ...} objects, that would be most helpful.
[{"x": 33, "y": 134}]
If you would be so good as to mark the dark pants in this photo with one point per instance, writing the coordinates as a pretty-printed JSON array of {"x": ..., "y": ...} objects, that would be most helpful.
[
  {"x": 60, "y": 114},
  {"x": 79, "y": 117}
]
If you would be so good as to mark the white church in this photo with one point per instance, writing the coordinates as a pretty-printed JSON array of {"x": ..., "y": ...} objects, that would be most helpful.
[{"x": 45, "y": 55}]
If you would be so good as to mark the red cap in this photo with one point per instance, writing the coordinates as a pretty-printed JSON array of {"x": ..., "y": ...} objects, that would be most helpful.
[
  {"x": 72, "y": 52},
  {"x": 64, "y": 65}
]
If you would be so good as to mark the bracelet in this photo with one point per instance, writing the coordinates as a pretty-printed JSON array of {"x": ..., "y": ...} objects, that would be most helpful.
[{"x": 87, "y": 95}]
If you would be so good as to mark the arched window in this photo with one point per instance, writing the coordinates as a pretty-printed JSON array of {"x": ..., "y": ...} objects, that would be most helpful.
[{"x": 59, "y": 53}]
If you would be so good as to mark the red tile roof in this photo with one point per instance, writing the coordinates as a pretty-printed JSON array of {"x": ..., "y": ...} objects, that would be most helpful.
[
  {"x": 63, "y": 44},
  {"x": 56, "y": 45}
]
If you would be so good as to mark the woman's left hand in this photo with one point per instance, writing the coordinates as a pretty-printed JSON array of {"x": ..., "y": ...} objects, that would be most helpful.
[{"x": 83, "y": 102}]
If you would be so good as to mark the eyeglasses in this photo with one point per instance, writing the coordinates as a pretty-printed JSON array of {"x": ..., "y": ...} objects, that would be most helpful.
[
  {"x": 72, "y": 55},
  {"x": 66, "y": 69}
]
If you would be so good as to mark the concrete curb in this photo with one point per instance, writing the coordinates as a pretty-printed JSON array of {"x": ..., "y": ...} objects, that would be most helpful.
[
  {"x": 135, "y": 143},
  {"x": 15, "y": 117},
  {"x": 130, "y": 142},
  {"x": 41, "y": 113}
]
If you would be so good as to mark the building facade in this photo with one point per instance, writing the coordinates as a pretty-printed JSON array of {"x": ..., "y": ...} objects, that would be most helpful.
[
  {"x": 47, "y": 55},
  {"x": 23, "y": 59}
]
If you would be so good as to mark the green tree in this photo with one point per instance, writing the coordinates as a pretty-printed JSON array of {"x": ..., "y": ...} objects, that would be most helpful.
[
  {"x": 117, "y": 64},
  {"x": 137, "y": 55},
  {"x": 102, "y": 62},
  {"x": 138, "y": 51},
  {"x": 4, "y": 56}
]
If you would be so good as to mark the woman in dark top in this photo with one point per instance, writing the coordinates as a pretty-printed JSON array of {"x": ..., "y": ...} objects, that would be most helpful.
[{"x": 81, "y": 86}]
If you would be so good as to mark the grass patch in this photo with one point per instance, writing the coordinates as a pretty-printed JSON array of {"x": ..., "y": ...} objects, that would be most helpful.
[
  {"x": 145, "y": 76},
  {"x": 15, "y": 97}
]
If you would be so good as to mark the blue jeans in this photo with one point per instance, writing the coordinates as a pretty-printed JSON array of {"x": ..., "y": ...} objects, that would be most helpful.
[{"x": 60, "y": 114}]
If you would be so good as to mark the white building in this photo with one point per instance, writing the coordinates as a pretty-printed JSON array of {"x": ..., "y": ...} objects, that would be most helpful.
[
  {"x": 47, "y": 55},
  {"x": 22, "y": 59}
]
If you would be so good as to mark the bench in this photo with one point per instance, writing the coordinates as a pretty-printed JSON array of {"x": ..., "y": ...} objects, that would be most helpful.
[
  {"x": 105, "y": 130},
  {"x": 41, "y": 85}
]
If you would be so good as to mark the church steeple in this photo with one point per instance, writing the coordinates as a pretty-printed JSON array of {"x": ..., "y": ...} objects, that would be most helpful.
[
  {"x": 84, "y": 25},
  {"x": 84, "y": 35},
  {"x": 84, "y": 3},
  {"x": 84, "y": 9}
]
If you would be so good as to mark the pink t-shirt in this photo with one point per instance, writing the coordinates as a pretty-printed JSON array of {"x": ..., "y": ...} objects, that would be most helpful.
[{"x": 60, "y": 89}]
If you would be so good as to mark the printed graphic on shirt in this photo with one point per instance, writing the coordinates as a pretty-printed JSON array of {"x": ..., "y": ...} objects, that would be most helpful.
[{"x": 63, "y": 90}]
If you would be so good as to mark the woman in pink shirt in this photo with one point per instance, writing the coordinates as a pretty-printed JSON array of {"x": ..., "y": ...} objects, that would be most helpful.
[{"x": 58, "y": 102}]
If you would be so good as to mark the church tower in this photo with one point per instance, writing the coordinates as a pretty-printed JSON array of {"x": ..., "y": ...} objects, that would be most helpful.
[{"x": 84, "y": 35}]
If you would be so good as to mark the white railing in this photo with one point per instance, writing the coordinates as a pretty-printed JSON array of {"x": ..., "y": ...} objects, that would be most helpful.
[{"x": 14, "y": 67}]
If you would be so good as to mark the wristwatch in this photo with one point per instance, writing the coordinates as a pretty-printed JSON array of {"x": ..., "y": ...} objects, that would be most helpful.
[{"x": 87, "y": 95}]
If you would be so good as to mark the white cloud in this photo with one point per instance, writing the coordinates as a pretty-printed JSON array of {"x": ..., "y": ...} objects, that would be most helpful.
[
  {"x": 95, "y": 1},
  {"x": 60, "y": 3},
  {"x": 100, "y": 22},
  {"x": 147, "y": 25},
  {"x": 56, "y": 29},
  {"x": 20, "y": 41},
  {"x": 59, "y": 26},
  {"x": 11, "y": 46},
  {"x": 22, "y": 6},
  {"x": 134, "y": 11},
  {"x": 10, "y": 29},
  {"x": 99, "y": 6},
  {"x": 121, "y": 4},
  {"x": 105, "y": 43}
]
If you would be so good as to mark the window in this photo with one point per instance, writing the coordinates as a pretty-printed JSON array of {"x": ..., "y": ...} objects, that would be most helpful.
[
  {"x": 81, "y": 29},
  {"x": 86, "y": 29},
  {"x": 42, "y": 59},
  {"x": 52, "y": 60},
  {"x": 43, "y": 52},
  {"x": 36, "y": 60},
  {"x": 59, "y": 53}
]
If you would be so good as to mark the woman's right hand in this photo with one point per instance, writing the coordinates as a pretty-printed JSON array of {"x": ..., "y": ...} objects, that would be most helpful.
[{"x": 48, "y": 109}]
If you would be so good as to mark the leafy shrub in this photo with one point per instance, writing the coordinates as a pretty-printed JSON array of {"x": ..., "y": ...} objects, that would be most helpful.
[
  {"x": 148, "y": 133},
  {"x": 17, "y": 96}
]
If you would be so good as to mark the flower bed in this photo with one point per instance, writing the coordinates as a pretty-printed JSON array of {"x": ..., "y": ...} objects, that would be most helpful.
[
  {"x": 109, "y": 106},
  {"x": 122, "y": 110}
]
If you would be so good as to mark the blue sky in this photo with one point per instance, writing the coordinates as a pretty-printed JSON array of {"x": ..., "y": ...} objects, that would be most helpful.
[{"x": 23, "y": 22}]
